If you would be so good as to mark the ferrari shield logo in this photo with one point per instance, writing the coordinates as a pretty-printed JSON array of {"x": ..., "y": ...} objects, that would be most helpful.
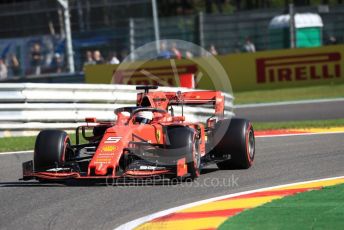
[{"x": 158, "y": 136}]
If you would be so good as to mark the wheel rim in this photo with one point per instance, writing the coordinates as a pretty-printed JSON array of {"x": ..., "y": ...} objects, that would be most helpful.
[{"x": 251, "y": 144}]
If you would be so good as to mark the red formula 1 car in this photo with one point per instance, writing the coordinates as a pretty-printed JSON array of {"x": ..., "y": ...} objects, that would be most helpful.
[{"x": 147, "y": 140}]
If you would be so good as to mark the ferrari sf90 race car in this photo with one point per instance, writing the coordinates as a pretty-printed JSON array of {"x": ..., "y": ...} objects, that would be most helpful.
[{"x": 146, "y": 141}]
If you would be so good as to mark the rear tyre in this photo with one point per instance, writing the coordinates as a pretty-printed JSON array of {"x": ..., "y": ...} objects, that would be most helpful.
[
  {"x": 51, "y": 149},
  {"x": 182, "y": 141},
  {"x": 238, "y": 141}
]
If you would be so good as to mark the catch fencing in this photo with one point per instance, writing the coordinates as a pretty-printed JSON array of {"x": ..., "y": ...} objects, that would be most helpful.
[{"x": 117, "y": 27}]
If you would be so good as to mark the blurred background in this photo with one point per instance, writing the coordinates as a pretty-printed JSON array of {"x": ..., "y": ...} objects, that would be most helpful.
[{"x": 34, "y": 34}]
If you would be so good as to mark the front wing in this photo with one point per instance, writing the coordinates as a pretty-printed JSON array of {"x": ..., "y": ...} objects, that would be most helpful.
[{"x": 180, "y": 170}]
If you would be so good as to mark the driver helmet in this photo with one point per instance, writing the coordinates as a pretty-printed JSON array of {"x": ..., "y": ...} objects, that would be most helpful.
[{"x": 144, "y": 117}]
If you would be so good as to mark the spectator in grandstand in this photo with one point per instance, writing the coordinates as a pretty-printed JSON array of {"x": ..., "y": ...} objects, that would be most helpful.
[
  {"x": 36, "y": 58},
  {"x": 176, "y": 54},
  {"x": 331, "y": 40},
  {"x": 97, "y": 57},
  {"x": 249, "y": 46},
  {"x": 14, "y": 65},
  {"x": 3, "y": 69},
  {"x": 188, "y": 55},
  {"x": 89, "y": 58},
  {"x": 213, "y": 50},
  {"x": 164, "y": 53},
  {"x": 57, "y": 63},
  {"x": 113, "y": 58}
]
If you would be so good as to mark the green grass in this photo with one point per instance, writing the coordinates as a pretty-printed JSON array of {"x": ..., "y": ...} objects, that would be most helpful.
[
  {"x": 290, "y": 94},
  {"x": 321, "y": 209},
  {"x": 9, "y": 144},
  {"x": 298, "y": 124}
]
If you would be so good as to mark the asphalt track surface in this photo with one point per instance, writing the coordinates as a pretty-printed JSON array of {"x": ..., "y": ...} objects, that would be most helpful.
[
  {"x": 292, "y": 112},
  {"x": 279, "y": 160}
]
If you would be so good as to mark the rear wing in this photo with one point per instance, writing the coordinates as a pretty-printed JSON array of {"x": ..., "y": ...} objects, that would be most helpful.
[
  {"x": 162, "y": 100},
  {"x": 212, "y": 99}
]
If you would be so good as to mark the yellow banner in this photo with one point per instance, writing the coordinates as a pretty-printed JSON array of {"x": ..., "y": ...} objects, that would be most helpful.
[{"x": 248, "y": 71}]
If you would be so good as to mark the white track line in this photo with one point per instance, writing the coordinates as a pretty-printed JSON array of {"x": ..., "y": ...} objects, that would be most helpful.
[
  {"x": 299, "y": 134},
  {"x": 288, "y": 103},
  {"x": 135, "y": 223},
  {"x": 17, "y": 152}
]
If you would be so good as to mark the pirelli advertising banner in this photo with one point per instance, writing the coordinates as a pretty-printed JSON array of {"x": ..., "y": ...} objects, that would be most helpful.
[{"x": 254, "y": 71}]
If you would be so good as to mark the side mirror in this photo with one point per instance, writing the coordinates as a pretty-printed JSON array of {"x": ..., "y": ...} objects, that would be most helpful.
[
  {"x": 178, "y": 118},
  {"x": 91, "y": 120}
]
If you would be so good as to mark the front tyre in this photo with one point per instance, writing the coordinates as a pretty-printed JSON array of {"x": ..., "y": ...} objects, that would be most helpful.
[
  {"x": 51, "y": 149},
  {"x": 183, "y": 143}
]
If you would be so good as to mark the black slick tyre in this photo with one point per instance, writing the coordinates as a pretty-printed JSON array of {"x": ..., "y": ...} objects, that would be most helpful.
[
  {"x": 238, "y": 141},
  {"x": 51, "y": 149}
]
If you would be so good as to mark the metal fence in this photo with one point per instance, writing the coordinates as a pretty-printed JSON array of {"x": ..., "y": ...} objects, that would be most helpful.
[
  {"x": 228, "y": 32},
  {"x": 37, "y": 17},
  {"x": 125, "y": 25}
]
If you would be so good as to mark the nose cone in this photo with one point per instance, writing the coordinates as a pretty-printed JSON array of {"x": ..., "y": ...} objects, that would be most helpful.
[
  {"x": 101, "y": 169},
  {"x": 109, "y": 151}
]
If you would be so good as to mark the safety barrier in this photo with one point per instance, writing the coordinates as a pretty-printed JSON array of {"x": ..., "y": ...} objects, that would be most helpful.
[{"x": 30, "y": 106}]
